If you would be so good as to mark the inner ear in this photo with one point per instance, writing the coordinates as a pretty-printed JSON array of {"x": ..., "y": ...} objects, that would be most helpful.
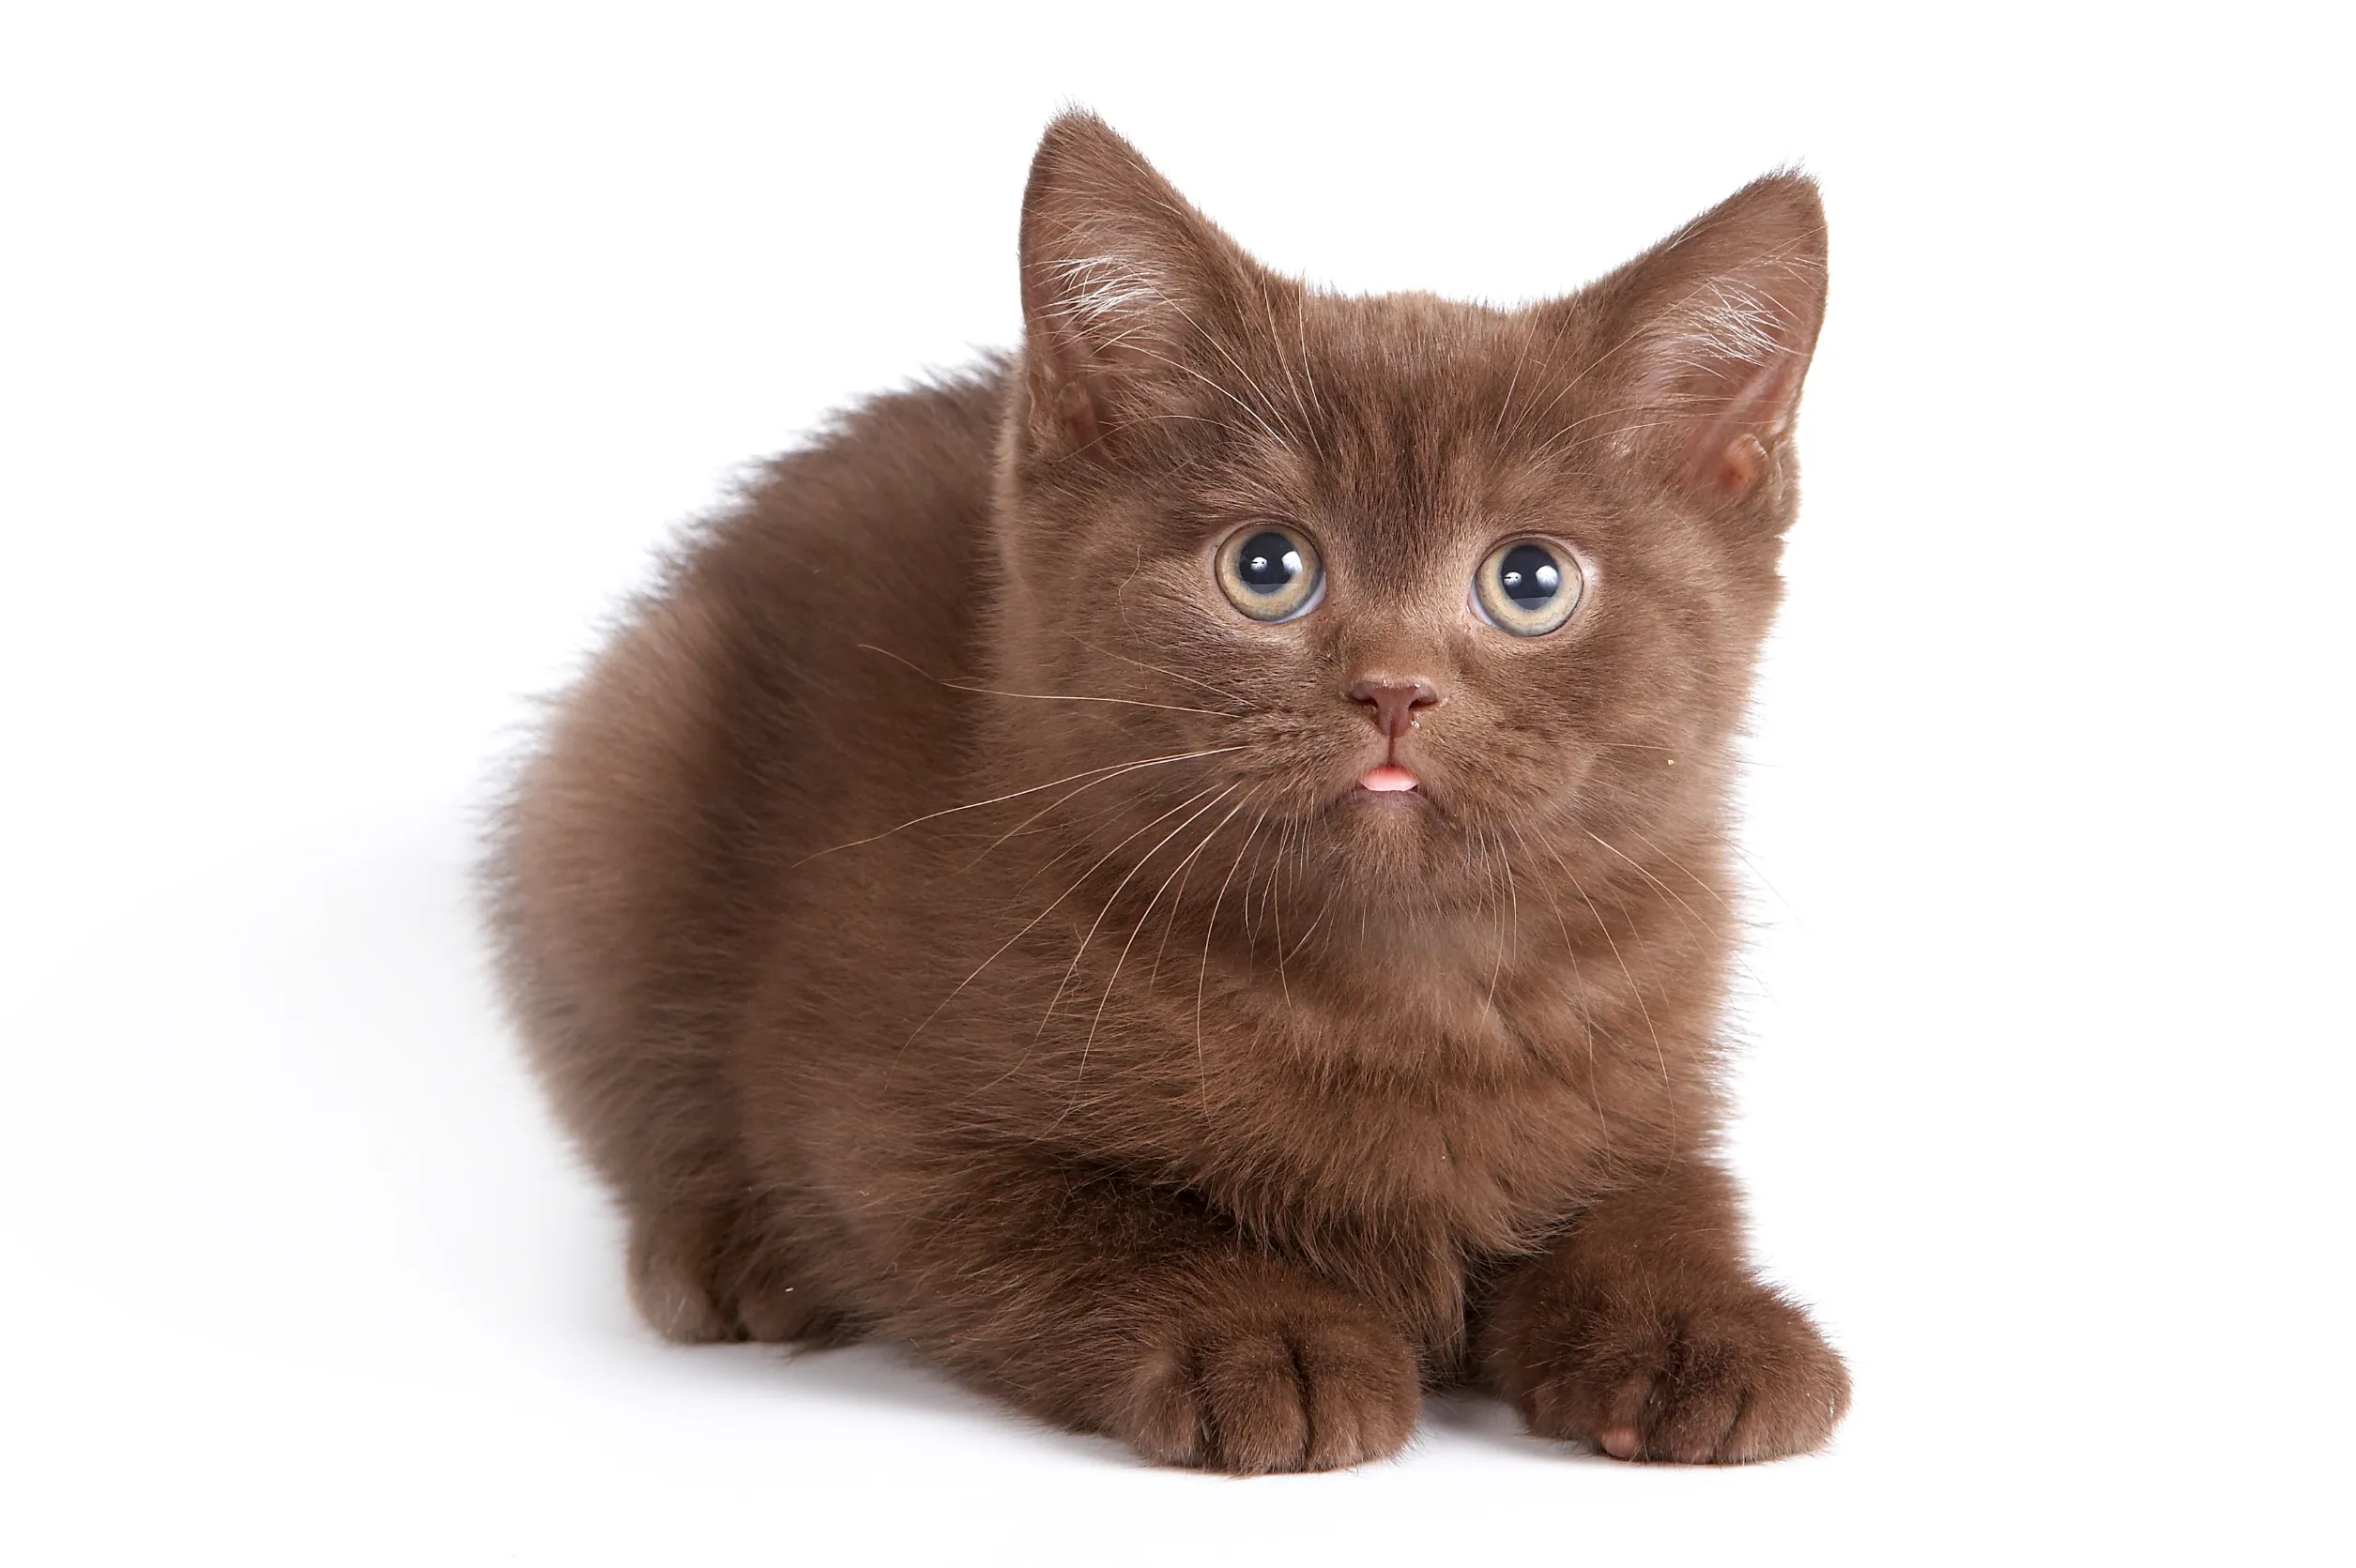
[
  {"x": 1736, "y": 404},
  {"x": 1714, "y": 328},
  {"x": 1122, "y": 281},
  {"x": 1089, "y": 319}
]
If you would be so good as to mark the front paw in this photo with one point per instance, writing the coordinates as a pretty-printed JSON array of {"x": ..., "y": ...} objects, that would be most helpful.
[
  {"x": 1724, "y": 1373},
  {"x": 1280, "y": 1379}
]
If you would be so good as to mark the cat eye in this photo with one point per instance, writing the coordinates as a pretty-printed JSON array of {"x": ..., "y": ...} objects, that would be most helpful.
[
  {"x": 1528, "y": 587},
  {"x": 1270, "y": 573}
]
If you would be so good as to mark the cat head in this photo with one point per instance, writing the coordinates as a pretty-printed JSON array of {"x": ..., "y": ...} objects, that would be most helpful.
[{"x": 1423, "y": 582}]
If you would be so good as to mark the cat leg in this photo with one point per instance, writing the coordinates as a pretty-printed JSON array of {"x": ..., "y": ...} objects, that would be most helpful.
[
  {"x": 703, "y": 1272},
  {"x": 675, "y": 1260},
  {"x": 772, "y": 1290},
  {"x": 1107, "y": 1306},
  {"x": 1643, "y": 1333}
]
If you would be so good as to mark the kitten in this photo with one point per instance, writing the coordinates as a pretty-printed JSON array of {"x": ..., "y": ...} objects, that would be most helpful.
[{"x": 1179, "y": 875}]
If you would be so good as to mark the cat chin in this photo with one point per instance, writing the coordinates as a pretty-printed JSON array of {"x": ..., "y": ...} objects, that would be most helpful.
[
  {"x": 1379, "y": 810},
  {"x": 1396, "y": 842}
]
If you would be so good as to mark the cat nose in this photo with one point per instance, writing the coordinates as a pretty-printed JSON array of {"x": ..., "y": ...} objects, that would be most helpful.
[{"x": 1394, "y": 703}]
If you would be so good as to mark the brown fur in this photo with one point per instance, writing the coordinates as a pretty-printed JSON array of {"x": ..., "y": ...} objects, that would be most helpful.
[{"x": 1213, "y": 1103}]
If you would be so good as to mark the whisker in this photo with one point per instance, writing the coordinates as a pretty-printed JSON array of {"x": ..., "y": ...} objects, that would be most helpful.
[
  {"x": 1185, "y": 869},
  {"x": 1578, "y": 1000},
  {"x": 1276, "y": 909},
  {"x": 1323, "y": 910},
  {"x": 1324, "y": 907},
  {"x": 1210, "y": 928},
  {"x": 1029, "y": 926},
  {"x": 1205, "y": 334},
  {"x": 1218, "y": 691},
  {"x": 1308, "y": 427},
  {"x": 1183, "y": 756},
  {"x": 1514, "y": 898},
  {"x": 1300, "y": 301},
  {"x": 1073, "y": 968},
  {"x": 1112, "y": 770},
  {"x": 1519, "y": 359},
  {"x": 1042, "y": 697},
  {"x": 1656, "y": 881},
  {"x": 1106, "y": 1000},
  {"x": 1679, "y": 866},
  {"x": 1497, "y": 961},
  {"x": 1636, "y": 990},
  {"x": 1274, "y": 434},
  {"x": 1765, "y": 883}
]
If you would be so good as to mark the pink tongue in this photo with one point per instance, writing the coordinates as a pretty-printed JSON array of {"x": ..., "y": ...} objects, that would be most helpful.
[{"x": 1387, "y": 780}]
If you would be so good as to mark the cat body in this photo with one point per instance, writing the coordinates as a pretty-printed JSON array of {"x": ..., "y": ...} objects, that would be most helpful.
[{"x": 959, "y": 908}]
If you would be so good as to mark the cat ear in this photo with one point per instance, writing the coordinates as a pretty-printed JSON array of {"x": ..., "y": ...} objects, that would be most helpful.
[
  {"x": 1121, "y": 278},
  {"x": 1708, "y": 337}
]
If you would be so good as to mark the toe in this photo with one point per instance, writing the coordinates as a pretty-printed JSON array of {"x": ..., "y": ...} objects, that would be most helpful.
[{"x": 1252, "y": 1394}]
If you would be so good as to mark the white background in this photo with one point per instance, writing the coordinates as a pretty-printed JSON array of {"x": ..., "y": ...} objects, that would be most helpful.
[{"x": 352, "y": 359}]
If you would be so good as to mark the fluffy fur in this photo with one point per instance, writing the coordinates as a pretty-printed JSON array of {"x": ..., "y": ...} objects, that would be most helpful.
[{"x": 941, "y": 915}]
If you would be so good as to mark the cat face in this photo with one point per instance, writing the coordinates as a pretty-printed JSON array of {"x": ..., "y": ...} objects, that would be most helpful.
[{"x": 1437, "y": 592}]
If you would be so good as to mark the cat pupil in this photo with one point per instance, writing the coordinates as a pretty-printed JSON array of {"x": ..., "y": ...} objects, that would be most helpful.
[
  {"x": 1268, "y": 562},
  {"x": 1529, "y": 575}
]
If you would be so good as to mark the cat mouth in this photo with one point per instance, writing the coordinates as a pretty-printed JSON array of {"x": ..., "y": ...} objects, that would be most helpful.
[{"x": 1390, "y": 789}]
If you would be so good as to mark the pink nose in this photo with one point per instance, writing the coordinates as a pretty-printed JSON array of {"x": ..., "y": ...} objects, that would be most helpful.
[{"x": 1393, "y": 703}]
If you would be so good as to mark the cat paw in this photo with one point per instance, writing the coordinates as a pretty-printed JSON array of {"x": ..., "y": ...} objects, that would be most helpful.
[
  {"x": 696, "y": 1279},
  {"x": 1741, "y": 1377},
  {"x": 1314, "y": 1386},
  {"x": 671, "y": 1284}
]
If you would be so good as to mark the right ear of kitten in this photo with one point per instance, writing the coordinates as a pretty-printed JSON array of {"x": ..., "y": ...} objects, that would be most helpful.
[{"x": 1183, "y": 873}]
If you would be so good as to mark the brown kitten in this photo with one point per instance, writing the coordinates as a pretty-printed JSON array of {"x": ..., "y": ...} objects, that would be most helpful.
[{"x": 1178, "y": 874}]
